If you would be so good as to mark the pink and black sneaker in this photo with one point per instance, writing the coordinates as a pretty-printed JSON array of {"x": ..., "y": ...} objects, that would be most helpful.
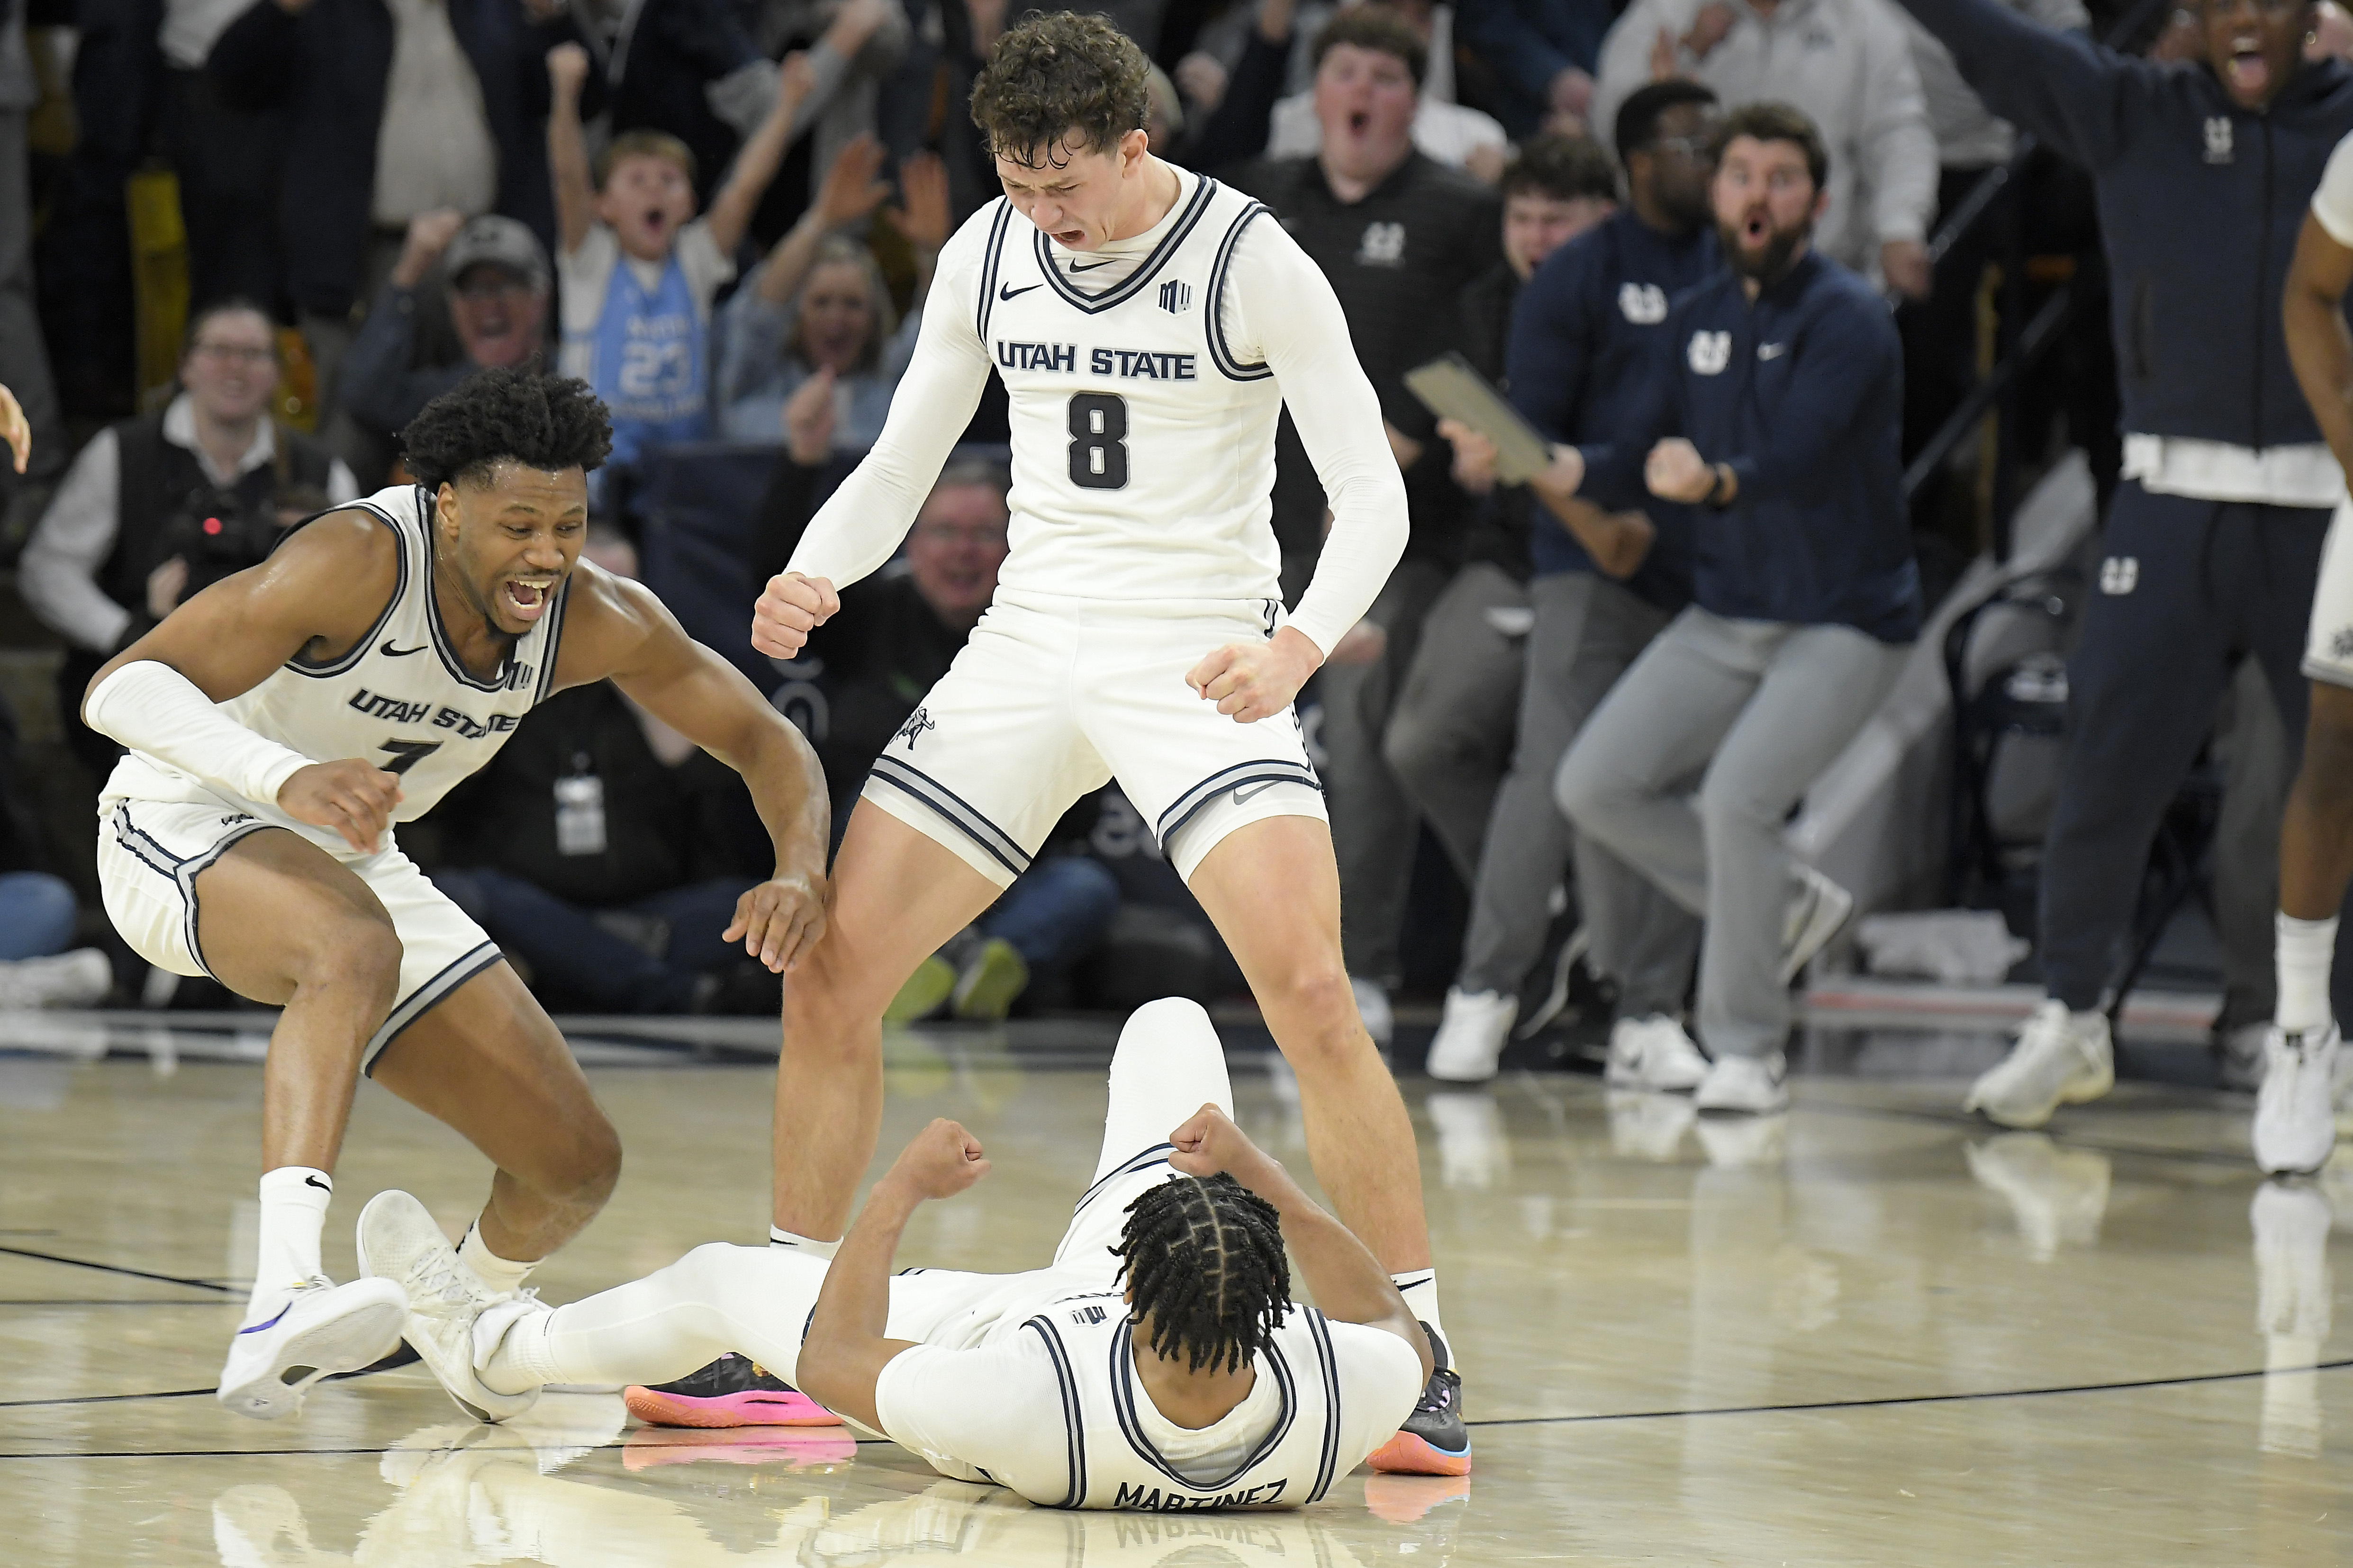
[
  {"x": 1433, "y": 1441},
  {"x": 733, "y": 1391}
]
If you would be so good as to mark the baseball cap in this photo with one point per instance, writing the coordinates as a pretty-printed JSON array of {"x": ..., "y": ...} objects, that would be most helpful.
[{"x": 501, "y": 241}]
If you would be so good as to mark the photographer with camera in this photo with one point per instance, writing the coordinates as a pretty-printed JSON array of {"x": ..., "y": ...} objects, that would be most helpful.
[{"x": 159, "y": 507}]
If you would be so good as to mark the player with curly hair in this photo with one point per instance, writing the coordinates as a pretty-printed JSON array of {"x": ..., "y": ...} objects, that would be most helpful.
[
  {"x": 283, "y": 720},
  {"x": 1158, "y": 1362}
]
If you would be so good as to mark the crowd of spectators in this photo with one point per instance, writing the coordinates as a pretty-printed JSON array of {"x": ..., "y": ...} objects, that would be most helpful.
[{"x": 1601, "y": 693}]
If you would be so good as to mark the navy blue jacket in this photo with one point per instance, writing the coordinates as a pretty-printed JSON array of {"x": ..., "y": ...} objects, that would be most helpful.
[
  {"x": 327, "y": 68},
  {"x": 1586, "y": 342},
  {"x": 1802, "y": 393},
  {"x": 2199, "y": 204}
]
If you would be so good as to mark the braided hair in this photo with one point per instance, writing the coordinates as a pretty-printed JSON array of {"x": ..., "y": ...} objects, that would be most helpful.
[{"x": 1205, "y": 1260}]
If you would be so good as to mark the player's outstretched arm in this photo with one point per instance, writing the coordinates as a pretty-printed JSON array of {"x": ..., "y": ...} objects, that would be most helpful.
[
  {"x": 1283, "y": 311},
  {"x": 1347, "y": 1280},
  {"x": 861, "y": 523},
  {"x": 2319, "y": 346},
  {"x": 320, "y": 593},
  {"x": 616, "y": 630},
  {"x": 846, "y": 1349}
]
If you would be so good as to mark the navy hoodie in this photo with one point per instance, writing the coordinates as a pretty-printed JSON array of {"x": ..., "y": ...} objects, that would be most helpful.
[
  {"x": 1586, "y": 342},
  {"x": 2199, "y": 204},
  {"x": 1802, "y": 393}
]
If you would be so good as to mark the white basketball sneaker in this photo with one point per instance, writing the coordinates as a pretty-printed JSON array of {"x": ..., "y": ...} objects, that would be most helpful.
[
  {"x": 1749, "y": 1084},
  {"x": 1653, "y": 1053},
  {"x": 319, "y": 1328},
  {"x": 400, "y": 1242},
  {"x": 1470, "y": 1035},
  {"x": 1815, "y": 913},
  {"x": 2295, "y": 1124},
  {"x": 2061, "y": 1058}
]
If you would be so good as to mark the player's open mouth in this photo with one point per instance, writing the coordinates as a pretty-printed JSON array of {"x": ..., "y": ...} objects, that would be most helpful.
[
  {"x": 526, "y": 597},
  {"x": 2247, "y": 71}
]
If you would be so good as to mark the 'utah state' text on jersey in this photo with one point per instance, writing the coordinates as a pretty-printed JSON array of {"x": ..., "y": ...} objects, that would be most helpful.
[{"x": 1143, "y": 443}]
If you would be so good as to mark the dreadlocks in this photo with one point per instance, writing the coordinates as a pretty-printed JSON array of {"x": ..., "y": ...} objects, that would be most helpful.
[{"x": 1206, "y": 1261}]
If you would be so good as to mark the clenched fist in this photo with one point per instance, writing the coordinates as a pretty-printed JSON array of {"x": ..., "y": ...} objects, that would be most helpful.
[
  {"x": 1250, "y": 681},
  {"x": 791, "y": 608}
]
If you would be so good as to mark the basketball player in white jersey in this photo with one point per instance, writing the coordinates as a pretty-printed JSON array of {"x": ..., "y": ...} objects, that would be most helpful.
[
  {"x": 282, "y": 721},
  {"x": 1149, "y": 324},
  {"x": 1159, "y": 1363}
]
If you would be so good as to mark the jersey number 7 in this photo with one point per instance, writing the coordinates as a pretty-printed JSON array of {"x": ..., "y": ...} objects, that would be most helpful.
[
  {"x": 1098, "y": 441},
  {"x": 406, "y": 754}
]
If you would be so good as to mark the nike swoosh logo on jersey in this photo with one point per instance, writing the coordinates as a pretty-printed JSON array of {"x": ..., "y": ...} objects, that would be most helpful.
[
  {"x": 1090, "y": 266},
  {"x": 1007, "y": 291},
  {"x": 1243, "y": 797},
  {"x": 389, "y": 651}
]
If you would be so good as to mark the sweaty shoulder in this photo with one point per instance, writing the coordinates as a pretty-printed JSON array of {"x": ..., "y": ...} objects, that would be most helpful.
[{"x": 606, "y": 621}]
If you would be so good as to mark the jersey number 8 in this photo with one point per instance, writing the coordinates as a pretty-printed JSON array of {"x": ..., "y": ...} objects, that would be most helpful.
[{"x": 1098, "y": 441}]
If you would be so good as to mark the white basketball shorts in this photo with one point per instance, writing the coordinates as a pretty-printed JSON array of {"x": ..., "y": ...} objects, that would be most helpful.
[
  {"x": 1051, "y": 697},
  {"x": 2328, "y": 646},
  {"x": 150, "y": 854}
]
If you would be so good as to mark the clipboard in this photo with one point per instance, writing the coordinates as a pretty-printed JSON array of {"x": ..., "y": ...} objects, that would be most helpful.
[{"x": 1451, "y": 389}]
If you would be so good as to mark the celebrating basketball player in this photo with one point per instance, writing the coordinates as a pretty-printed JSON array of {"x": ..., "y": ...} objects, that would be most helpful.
[
  {"x": 1148, "y": 324},
  {"x": 1158, "y": 1364},
  {"x": 283, "y": 720}
]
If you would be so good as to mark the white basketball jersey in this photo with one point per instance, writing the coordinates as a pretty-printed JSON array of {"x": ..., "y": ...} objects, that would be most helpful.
[
  {"x": 1112, "y": 1463},
  {"x": 1143, "y": 444},
  {"x": 399, "y": 697}
]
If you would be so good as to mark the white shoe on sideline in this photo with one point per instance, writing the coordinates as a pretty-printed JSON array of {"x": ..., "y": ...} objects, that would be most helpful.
[
  {"x": 1751, "y": 1085},
  {"x": 2295, "y": 1122},
  {"x": 77, "y": 979},
  {"x": 1470, "y": 1035},
  {"x": 2061, "y": 1058},
  {"x": 1815, "y": 913},
  {"x": 320, "y": 1328},
  {"x": 1373, "y": 1007},
  {"x": 399, "y": 1241},
  {"x": 1653, "y": 1053}
]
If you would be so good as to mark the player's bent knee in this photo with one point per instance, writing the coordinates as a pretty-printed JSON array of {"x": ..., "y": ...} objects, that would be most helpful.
[
  {"x": 357, "y": 951},
  {"x": 1319, "y": 1008}
]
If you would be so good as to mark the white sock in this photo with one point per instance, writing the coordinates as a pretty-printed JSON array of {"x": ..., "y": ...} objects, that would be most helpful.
[
  {"x": 523, "y": 1360},
  {"x": 779, "y": 1236},
  {"x": 499, "y": 1273},
  {"x": 1419, "y": 1289},
  {"x": 2303, "y": 951},
  {"x": 294, "y": 1201}
]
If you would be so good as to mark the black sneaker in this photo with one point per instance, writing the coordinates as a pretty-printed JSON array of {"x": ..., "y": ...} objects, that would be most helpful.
[
  {"x": 733, "y": 1391},
  {"x": 1433, "y": 1440}
]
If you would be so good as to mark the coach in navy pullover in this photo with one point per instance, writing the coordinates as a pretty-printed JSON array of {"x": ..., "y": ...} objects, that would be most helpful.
[
  {"x": 1801, "y": 395},
  {"x": 1776, "y": 414},
  {"x": 2203, "y": 172}
]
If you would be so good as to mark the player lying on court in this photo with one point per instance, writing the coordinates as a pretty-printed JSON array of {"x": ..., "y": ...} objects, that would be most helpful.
[
  {"x": 1149, "y": 326},
  {"x": 283, "y": 720},
  {"x": 1158, "y": 1362}
]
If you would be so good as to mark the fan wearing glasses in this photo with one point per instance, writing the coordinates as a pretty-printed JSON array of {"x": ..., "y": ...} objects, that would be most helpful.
[{"x": 159, "y": 507}]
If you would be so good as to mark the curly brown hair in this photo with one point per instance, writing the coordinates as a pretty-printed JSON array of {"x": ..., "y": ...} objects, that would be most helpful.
[{"x": 1059, "y": 80}]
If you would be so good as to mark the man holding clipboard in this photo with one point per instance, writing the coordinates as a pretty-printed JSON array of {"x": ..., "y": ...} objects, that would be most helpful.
[{"x": 1584, "y": 342}]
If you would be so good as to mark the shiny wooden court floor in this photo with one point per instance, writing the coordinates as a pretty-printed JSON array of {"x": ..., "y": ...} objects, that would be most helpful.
[{"x": 1866, "y": 1332}]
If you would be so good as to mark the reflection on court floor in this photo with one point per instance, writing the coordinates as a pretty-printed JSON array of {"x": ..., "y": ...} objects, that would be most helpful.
[{"x": 1867, "y": 1332}]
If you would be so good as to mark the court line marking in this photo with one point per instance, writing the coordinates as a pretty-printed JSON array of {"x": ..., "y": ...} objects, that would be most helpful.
[
  {"x": 1892, "y": 1400},
  {"x": 1803, "y": 1408},
  {"x": 402, "y": 1356},
  {"x": 119, "y": 1268}
]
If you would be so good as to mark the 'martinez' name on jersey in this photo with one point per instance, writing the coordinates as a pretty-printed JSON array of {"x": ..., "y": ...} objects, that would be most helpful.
[
  {"x": 1143, "y": 435},
  {"x": 399, "y": 697}
]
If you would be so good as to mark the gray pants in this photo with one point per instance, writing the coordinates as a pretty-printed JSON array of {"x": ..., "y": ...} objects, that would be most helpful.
[
  {"x": 1754, "y": 711},
  {"x": 1587, "y": 630},
  {"x": 1374, "y": 826},
  {"x": 2246, "y": 848},
  {"x": 1449, "y": 739}
]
